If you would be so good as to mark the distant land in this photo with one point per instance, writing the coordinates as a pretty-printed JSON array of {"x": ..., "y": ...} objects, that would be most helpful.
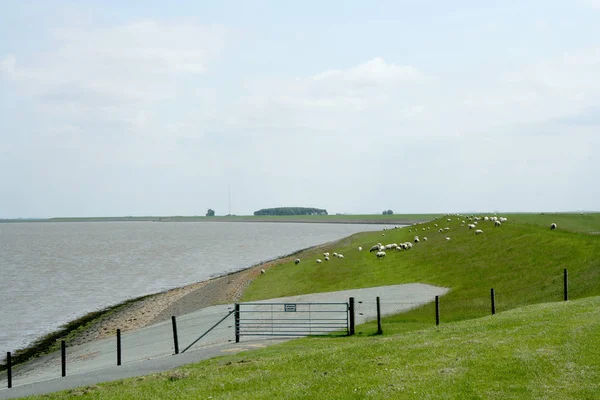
[
  {"x": 393, "y": 219},
  {"x": 397, "y": 219}
]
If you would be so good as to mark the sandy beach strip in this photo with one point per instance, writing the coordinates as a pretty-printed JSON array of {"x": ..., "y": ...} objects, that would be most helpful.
[{"x": 179, "y": 301}]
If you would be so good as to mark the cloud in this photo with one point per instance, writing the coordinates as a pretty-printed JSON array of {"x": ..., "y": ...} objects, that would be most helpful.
[{"x": 141, "y": 62}]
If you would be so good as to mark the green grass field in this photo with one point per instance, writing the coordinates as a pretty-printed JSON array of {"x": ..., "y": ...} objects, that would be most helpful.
[
  {"x": 541, "y": 351},
  {"x": 527, "y": 350},
  {"x": 523, "y": 260}
]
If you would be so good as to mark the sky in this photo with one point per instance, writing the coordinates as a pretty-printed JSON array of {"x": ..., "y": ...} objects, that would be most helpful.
[{"x": 111, "y": 108}]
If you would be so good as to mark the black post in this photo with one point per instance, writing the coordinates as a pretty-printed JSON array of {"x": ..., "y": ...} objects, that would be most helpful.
[
  {"x": 175, "y": 339},
  {"x": 493, "y": 302},
  {"x": 351, "y": 312},
  {"x": 237, "y": 322},
  {"x": 379, "y": 330},
  {"x": 118, "y": 347},
  {"x": 437, "y": 310},
  {"x": 566, "y": 288},
  {"x": 63, "y": 357},
  {"x": 9, "y": 369}
]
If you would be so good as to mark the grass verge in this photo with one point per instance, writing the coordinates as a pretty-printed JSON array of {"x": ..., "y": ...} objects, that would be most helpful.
[{"x": 540, "y": 351}]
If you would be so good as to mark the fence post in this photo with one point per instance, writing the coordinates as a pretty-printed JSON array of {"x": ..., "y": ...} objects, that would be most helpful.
[
  {"x": 566, "y": 285},
  {"x": 237, "y": 322},
  {"x": 9, "y": 369},
  {"x": 118, "y": 347},
  {"x": 63, "y": 357},
  {"x": 351, "y": 311},
  {"x": 437, "y": 310},
  {"x": 175, "y": 338},
  {"x": 493, "y": 302},
  {"x": 379, "y": 330}
]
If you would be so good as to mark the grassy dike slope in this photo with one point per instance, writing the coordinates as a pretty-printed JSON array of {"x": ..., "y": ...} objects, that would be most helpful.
[{"x": 523, "y": 260}]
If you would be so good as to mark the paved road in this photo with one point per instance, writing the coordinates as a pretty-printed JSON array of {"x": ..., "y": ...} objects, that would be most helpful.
[{"x": 151, "y": 349}]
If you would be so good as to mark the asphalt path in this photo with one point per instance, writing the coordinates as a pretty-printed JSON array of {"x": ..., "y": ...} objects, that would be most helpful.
[{"x": 151, "y": 349}]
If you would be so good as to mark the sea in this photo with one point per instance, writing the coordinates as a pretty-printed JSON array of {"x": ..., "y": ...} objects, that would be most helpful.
[{"x": 54, "y": 272}]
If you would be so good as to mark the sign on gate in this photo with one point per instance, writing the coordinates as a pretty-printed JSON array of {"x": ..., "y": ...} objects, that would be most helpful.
[{"x": 290, "y": 307}]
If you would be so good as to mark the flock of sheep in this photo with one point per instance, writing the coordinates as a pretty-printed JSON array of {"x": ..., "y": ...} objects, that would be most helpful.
[{"x": 472, "y": 222}]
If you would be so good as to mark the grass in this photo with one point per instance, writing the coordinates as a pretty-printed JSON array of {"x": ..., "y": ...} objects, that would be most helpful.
[
  {"x": 523, "y": 260},
  {"x": 539, "y": 351}
]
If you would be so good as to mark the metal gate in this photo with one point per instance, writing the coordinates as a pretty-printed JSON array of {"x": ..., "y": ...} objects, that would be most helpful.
[{"x": 291, "y": 319}]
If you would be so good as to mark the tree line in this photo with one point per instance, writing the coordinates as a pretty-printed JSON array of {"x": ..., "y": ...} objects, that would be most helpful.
[{"x": 291, "y": 211}]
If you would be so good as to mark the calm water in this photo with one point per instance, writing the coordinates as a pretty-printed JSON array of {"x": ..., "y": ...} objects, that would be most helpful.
[{"x": 51, "y": 273}]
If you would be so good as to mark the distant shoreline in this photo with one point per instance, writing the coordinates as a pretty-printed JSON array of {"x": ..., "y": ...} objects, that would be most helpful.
[{"x": 331, "y": 219}]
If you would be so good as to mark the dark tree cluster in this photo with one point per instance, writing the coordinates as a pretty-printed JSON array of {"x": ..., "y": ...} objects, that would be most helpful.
[
  {"x": 291, "y": 211},
  {"x": 388, "y": 212},
  {"x": 210, "y": 212}
]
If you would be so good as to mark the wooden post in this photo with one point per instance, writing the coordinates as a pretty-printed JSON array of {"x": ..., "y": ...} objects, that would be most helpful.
[
  {"x": 63, "y": 357},
  {"x": 175, "y": 338},
  {"x": 493, "y": 302},
  {"x": 351, "y": 312},
  {"x": 437, "y": 310},
  {"x": 237, "y": 322},
  {"x": 566, "y": 285},
  {"x": 118, "y": 347},
  {"x": 379, "y": 330},
  {"x": 9, "y": 369}
]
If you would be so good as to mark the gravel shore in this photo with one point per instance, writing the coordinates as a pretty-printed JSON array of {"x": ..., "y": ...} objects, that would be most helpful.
[{"x": 161, "y": 306}]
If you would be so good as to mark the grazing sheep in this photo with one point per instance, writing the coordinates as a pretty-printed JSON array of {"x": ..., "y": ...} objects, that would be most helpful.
[
  {"x": 436, "y": 225},
  {"x": 319, "y": 261},
  {"x": 335, "y": 254},
  {"x": 326, "y": 258},
  {"x": 447, "y": 228},
  {"x": 486, "y": 218},
  {"x": 472, "y": 226},
  {"x": 297, "y": 261},
  {"x": 497, "y": 223},
  {"x": 359, "y": 248},
  {"x": 425, "y": 238},
  {"x": 340, "y": 256},
  {"x": 553, "y": 226},
  {"x": 478, "y": 231},
  {"x": 447, "y": 238},
  {"x": 380, "y": 254},
  {"x": 374, "y": 248},
  {"x": 416, "y": 239},
  {"x": 326, "y": 254},
  {"x": 262, "y": 272}
]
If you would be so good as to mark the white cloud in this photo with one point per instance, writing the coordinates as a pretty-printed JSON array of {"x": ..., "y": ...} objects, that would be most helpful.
[{"x": 137, "y": 63}]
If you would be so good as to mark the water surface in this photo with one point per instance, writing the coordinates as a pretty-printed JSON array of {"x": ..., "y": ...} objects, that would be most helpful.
[{"x": 52, "y": 273}]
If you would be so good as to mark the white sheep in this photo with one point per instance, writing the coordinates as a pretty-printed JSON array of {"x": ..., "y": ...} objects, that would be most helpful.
[
  {"x": 359, "y": 248},
  {"x": 447, "y": 238},
  {"x": 326, "y": 254},
  {"x": 380, "y": 254},
  {"x": 478, "y": 231},
  {"x": 262, "y": 272},
  {"x": 319, "y": 261},
  {"x": 297, "y": 261},
  {"x": 340, "y": 255},
  {"x": 416, "y": 239},
  {"x": 327, "y": 258},
  {"x": 374, "y": 247},
  {"x": 497, "y": 223},
  {"x": 335, "y": 254},
  {"x": 472, "y": 226},
  {"x": 553, "y": 226},
  {"x": 425, "y": 238}
]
